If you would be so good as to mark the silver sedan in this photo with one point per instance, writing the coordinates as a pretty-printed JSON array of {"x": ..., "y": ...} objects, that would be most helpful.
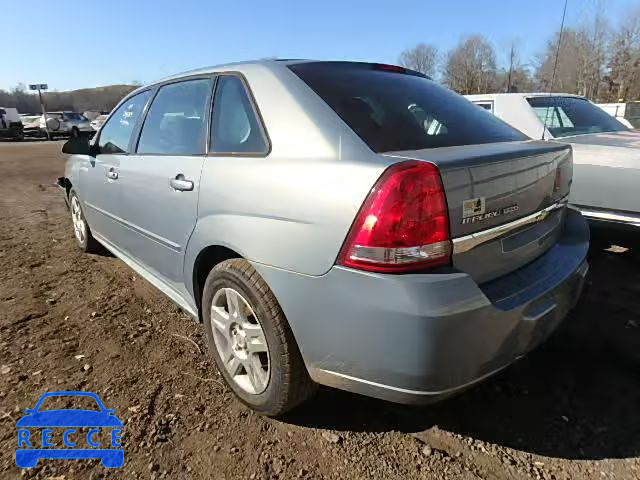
[{"x": 354, "y": 225}]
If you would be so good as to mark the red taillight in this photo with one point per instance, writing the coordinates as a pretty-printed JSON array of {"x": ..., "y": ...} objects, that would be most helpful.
[{"x": 403, "y": 224}]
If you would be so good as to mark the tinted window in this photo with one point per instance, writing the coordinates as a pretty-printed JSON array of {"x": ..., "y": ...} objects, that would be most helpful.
[
  {"x": 235, "y": 127},
  {"x": 116, "y": 133},
  {"x": 566, "y": 116},
  {"x": 393, "y": 110},
  {"x": 75, "y": 116},
  {"x": 175, "y": 123}
]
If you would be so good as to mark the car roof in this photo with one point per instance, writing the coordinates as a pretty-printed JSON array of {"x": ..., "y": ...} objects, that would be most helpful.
[
  {"x": 491, "y": 96},
  {"x": 269, "y": 63},
  {"x": 272, "y": 64}
]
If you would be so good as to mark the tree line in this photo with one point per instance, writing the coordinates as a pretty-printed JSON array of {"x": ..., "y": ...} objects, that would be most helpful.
[
  {"x": 595, "y": 60},
  {"x": 93, "y": 99}
]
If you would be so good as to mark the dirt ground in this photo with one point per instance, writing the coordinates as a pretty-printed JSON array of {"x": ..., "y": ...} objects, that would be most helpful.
[{"x": 68, "y": 321}]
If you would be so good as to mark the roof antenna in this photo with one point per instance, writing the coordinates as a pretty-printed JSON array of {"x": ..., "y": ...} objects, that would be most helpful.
[{"x": 555, "y": 66}]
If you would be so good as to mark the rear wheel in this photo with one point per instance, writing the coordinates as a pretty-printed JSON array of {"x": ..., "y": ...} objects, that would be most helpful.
[
  {"x": 251, "y": 341},
  {"x": 81, "y": 230}
]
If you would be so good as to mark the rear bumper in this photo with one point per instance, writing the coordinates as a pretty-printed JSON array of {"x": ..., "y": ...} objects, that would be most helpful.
[{"x": 420, "y": 338}]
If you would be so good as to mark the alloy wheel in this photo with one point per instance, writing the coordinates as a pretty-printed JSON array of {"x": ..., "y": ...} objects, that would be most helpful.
[
  {"x": 79, "y": 226},
  {"x": 240, "y": 341}
]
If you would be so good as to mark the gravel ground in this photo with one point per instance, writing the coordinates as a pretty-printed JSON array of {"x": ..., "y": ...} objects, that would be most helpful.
[{"x": 70, "y": 321}]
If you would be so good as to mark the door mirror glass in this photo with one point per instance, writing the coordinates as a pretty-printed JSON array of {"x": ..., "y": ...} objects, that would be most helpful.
[{"x": 77, "y": 146}]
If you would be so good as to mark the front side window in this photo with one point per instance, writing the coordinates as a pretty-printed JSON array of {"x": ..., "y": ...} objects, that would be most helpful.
[
  {"x": 176, "y": 123},
  {"x": 116, "y": 133},
  {"x": 235, "y": 127},
  {"x": 395, "y": 110},
  {"x": 565, "y": 116}
]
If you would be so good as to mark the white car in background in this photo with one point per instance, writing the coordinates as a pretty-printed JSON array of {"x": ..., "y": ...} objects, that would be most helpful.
[
  {"x": 31, "y": 125},
  {"x": 606, "y": 178}
]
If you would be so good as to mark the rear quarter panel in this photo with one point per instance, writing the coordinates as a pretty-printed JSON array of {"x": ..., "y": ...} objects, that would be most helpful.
[
  {"x": 292, "y": 208},
  {"x": 291, "y": 214}
]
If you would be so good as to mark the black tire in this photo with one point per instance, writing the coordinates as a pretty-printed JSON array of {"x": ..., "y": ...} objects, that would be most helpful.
[
  {"x": 88, "y": 244},
  {"x": 289, "y": 383}
]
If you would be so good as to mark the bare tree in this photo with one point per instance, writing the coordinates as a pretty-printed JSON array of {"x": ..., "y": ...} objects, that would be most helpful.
[
  {"x": 471, "y": 66},
  {"x": 422, "y": 58},
  {"x": 581, "y": 58},
  {"x": 515, "y": 77},
  {"x": 623, "y": 81}
]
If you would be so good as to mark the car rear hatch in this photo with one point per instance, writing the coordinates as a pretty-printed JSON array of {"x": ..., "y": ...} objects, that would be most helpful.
[{"x": 506, "y": 201}]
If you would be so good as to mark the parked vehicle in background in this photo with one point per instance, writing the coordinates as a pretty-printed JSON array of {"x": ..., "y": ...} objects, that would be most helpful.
[
  {"x": 65, "y": 124},
  {"x": 617, "y": 111},
  {"x": 606, "y": 153},
  {"x": 98, "y": 122},
  {"x": 31, "y": 126},
  {"x": 10, "y": 124},
  {"x": 350, "y": 224}
]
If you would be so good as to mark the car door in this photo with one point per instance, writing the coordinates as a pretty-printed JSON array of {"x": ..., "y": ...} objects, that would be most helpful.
[
  {"x": 100, "y": 188},
  {"x": 160, "y": 183}
]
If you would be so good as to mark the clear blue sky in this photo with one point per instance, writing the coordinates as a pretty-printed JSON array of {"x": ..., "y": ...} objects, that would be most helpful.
[{"x": 73, "y": 44}]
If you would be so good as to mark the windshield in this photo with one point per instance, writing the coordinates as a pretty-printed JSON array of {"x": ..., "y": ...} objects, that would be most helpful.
[
  {"x": 392, "y": 109},
  {"x": 566, "y": 116}
]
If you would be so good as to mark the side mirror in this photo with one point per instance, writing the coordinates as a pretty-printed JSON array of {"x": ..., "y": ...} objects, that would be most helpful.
[{"x": 77, "y": 146}]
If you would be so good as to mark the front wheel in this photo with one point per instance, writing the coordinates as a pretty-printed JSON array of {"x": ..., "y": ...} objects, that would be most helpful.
[
  {"x": 81, "y": 230},
  {"x": 251, "y": 341}
]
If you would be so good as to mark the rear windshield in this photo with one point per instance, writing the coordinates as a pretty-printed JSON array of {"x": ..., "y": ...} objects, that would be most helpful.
[
  {"x": 392, "y": 110},
  {"x": 565, "y": 116}
]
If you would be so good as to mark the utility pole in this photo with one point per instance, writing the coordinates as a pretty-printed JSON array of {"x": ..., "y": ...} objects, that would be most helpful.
[
  {"x": 39, "y": 87},
  {"x": 512, "y": 59}
]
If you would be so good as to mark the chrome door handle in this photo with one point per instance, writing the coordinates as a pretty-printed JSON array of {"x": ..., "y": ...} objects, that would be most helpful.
[
  {"x": 180, "y": 183},
  {"x": 111, "y": 174}
]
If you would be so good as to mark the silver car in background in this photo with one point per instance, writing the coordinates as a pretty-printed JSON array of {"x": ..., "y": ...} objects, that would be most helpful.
[
  {"x": 64, "y": 124},
  {"x": 606, "y": 153},
  {"x": 347, "y": 224}
]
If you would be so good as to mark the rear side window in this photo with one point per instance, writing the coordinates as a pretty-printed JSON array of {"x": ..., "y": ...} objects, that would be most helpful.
[
  {"x": 235, "y": 126},
  {"x": 394, "y": 110},
  {"x": 486, "y": 105},
  {"x": 565, "y": 116},
  {"x": 116, "y": 133},
  {"x": 176, "y": 123}
]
